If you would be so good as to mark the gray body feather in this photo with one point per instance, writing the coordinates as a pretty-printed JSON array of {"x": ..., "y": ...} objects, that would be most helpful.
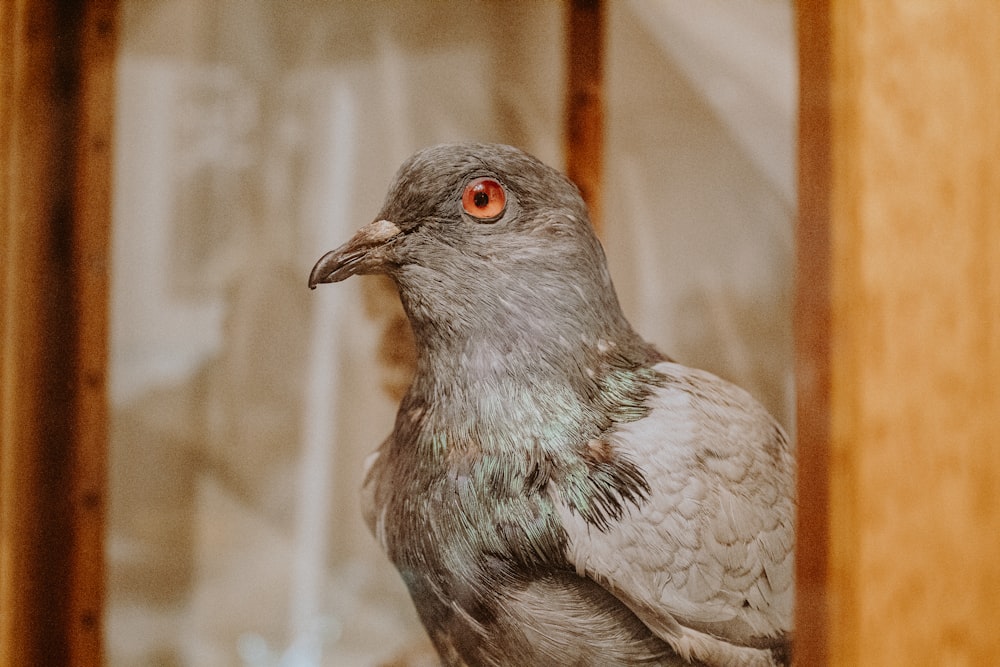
[{"x": 555, "y": 491}]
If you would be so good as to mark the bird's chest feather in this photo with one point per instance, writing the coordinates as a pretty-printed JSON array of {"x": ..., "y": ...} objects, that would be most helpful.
[
  {"x": 465, "y": 505},
  {"x": 481, "y": 549},
  {"x": 464, "y": 533},
  {"x": 469, "y": 519}
]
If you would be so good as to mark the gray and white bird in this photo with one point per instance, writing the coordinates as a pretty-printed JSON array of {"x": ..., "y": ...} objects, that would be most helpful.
[{"x": 555, "y": 491}]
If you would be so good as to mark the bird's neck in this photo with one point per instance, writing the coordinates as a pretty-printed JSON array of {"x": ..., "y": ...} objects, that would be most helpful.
[
  {"x": 551, "y": 359},
  {"x": 524, "y": 353},
  {"x": 497, "y": 323},
  {"x": 500, "y": 391}
]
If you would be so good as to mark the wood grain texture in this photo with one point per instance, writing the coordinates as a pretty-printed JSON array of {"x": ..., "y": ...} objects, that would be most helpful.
[
  {"x": 57, "y": 78},
  {"x": 33, "y": 555},
  {"x": 91, "y": 268},
  {"x": 585, "y": 102},
  {"x": 913, "y": 557},
  {"x": 812, "y": 332}
]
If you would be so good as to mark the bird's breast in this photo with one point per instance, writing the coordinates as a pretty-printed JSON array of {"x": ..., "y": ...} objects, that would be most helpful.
[{"x": 541, "y": 618}]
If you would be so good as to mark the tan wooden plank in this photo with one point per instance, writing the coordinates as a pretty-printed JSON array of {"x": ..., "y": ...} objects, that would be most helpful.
[{"x": 913, "y": 557}]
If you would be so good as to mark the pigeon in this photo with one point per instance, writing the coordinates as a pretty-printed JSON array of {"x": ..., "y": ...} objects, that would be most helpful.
[{"x": 555, "y": 491}]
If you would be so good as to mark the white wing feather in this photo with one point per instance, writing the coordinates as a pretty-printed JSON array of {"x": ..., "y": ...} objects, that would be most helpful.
[{"x": 706, "y": 562}]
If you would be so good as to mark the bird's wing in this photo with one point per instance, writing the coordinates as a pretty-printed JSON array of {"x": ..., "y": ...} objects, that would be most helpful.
[
  {"x": 372, "y": 505},
  {"x": 706, "y": 560}
]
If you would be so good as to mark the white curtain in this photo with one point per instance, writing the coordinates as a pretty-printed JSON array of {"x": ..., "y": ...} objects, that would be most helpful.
[{"x": 253, "y": 136}]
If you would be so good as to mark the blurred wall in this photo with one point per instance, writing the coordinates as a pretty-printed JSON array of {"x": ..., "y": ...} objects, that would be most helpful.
[{"x": 254, "y": 136}]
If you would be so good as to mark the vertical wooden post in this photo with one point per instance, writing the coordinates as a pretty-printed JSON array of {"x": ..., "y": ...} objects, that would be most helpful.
[
  {"x": 92, "y": 205},
  {"x": 812, "y": 333},
  {"x": 56, "y": 86},
  {"x": 899, "y": 241},
  {"x": 584, "y": 137}
]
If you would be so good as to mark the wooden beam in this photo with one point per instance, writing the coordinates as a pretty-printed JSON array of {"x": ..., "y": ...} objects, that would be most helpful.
[
  {"x": 905, "y": 440},
  {"x": 92, "y": 189},
  {"x": 812, "y": 332},
  {"x": 584, "y": 138},
  {"x": 55, "y": 149}
]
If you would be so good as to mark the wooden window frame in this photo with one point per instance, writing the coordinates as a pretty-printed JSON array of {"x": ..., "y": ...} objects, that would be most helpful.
[
  {"x": 56, "y": 100},
  {"x": 897, "y": 320}
]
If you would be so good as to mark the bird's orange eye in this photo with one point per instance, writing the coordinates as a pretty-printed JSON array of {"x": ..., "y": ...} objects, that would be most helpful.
[{"x": 484, "y": 198}]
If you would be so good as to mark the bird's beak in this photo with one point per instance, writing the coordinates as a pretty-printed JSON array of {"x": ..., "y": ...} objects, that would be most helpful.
[{"x": 364, "y": 253}]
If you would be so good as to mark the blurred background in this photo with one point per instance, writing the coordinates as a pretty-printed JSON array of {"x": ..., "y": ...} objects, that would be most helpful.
[{"x": 252, "y": 137}]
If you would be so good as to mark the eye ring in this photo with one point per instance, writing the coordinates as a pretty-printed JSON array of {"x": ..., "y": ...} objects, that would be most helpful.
[{"x": 484, "y": 199}]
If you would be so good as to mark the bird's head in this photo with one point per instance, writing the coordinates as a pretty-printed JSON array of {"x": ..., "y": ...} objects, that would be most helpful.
[{"x": 484, "y": 238}]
